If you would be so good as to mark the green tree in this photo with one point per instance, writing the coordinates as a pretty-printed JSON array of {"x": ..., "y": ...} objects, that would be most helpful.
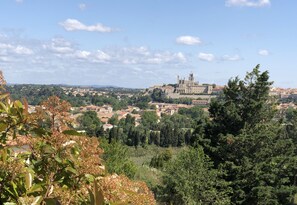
[
  {"x": 195, "y": 113},
  {"x": 117, "y": 159},
  {"x": 159, "y": 160},
  {"x": 158, "y": 95},
  {"x": 134, "y": 137},
  {"x": 181, "y": 138},
  {"x": 261, "y": 165},
  {"x": 154, "y": 138},
  {"x": 142, "y": 101},
  {"x": 129, "y": 120},
  {"x": 191, "y": 179},
  {"x": 244, "y": 103},
  {"x": 290, "y": 123},
  {"x": 149, "y": 119},
  {"x": 256, "y": 152},
  {"x": 114, "y": 120},
  {"x": 178, "y": 121},
  {"x": 90, "y": 122},
  {"x": 166, "y": 135},
  {"x": 175, "y": 137},
  {"x": 188, "y": 136},
  {"x": 113, "y": 134}
]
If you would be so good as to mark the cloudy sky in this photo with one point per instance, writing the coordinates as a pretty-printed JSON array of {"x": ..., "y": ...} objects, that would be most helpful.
[{"x": 133, "y": 43}]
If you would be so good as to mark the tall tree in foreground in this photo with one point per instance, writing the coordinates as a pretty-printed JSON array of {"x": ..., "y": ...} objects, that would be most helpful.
[
  {"x": 253, "y": 149},
  {"x": 243, "y": 104}
]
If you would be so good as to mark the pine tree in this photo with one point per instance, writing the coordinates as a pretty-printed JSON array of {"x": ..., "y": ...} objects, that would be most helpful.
[{"x": 244, "y": 103}]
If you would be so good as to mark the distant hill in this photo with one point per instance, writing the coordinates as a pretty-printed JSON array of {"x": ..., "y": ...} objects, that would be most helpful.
[{"x": 67, "y": 85}]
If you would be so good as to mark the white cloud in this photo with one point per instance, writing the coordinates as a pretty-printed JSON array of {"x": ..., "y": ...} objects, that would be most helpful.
[
  {"x": 82, "y": 6},
  {"x": 75, "y": 25},
  {"x": 188, "y": 40},
  {"x": 83, "y": 54},
  {"x": 129, "y": 61},
  {"x": 14, "y": 49},
  {"x": 206, "y": 57},
  {"x": 19, "y": 1},
  {"x": 164, "y": 57},
  {"x": 58, "y": 60},
  {"x": 5, "y": 46},
  {"x": 101, "y": 56},
  {"x": 263, "y": 52},
  {"x": 143, "y": 55},
  {"x": 23, "y": 50},
  {"x": 211, "y": 57},
  {"x": 180, "y": 56},
  {"x": 247, "y": 3},
  {"x": 231, "y": 58},
  {"x": 142, "y": 50},
  {"x": 59, "y": 46},
  {"x": 66, "y": 50}
]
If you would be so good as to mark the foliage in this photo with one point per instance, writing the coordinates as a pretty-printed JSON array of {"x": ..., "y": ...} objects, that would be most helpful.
[
  {"x": 159, "y": 96},
  {"x": 138, "y": 136},
  {"x": 116, "y": 159},
  {"x": 261, "y": 165},
  {"x": 90, "y": 122},
  {"x": 14, "y": 116},
  {"x": 244, "y": 103},
  {"x": 141, "y": 101},
  {"x": 52, "y": 167},
  {"x": 244, "y": 139},
  {"x": 242, "y": 153},
  {"x": 177, "y": 121},
  {"x": 57, "y": 112},
  {"x": 53, "y": 170},
  {"x": 35, "y": 94},
  {"x": 191, "y": 179},
  {"x": 121, "y": 190},
  {"x": 149, "y": 119},
  {"x": 161, "y": 159},
  {"x": 290, "y": 123},
  {"x": 195, "y": 113},
  {"x": 114, "y": 119}
]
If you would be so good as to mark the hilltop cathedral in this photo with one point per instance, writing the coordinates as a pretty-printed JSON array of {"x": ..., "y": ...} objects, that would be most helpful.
[{"x": 188, "y": 87}]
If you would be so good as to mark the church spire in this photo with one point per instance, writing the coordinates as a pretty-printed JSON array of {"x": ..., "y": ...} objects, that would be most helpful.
[{"x": 191, "y": 77}]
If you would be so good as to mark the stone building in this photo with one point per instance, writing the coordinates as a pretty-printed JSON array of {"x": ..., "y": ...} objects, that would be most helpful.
[{"x": 188, "y": 87}]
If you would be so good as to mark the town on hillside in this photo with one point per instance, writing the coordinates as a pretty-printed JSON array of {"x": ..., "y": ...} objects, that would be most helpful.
[{"x": 117, "y": 103}]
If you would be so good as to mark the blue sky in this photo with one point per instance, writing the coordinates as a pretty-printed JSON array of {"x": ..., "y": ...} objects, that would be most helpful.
[{"x": 132, "y": 43}]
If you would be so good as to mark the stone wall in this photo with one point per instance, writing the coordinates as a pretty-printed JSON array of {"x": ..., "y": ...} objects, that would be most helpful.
[{"x": 177, "y": 95}]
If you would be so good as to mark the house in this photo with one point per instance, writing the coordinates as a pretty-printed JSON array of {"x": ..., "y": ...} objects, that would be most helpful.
[{"x": 107, "y": 127}]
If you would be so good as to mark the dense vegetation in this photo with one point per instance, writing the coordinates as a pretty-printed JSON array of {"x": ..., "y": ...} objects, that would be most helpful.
[
  {"x": 55, "y": 165},
  {"x": 243, "y": 151},
  {"x": 159, "y": 96},
  {"x": 35, "y": 94}
]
